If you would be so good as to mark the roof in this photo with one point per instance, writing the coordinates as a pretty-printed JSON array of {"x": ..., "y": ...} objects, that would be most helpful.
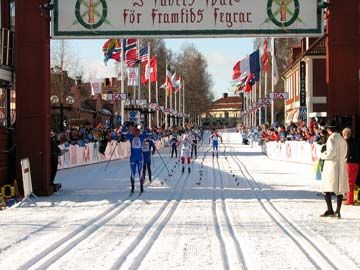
[{"x": 234, "y": 102}]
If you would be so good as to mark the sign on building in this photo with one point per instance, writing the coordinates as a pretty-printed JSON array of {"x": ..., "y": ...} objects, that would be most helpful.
[
  {"x": 133, "y": 116},
  {"x": 203, "y": 18},
  {"x": 303, "y": 111}
]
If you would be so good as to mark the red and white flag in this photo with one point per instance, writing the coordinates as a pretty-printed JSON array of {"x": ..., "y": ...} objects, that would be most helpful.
[
  {"x": 96, "y": 87},
  {"x": 149, "y": 71}
]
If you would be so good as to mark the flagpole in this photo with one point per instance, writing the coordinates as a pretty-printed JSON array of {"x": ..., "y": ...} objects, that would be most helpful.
[
  {"x": 266, "y": 96},
  {"x": 157, "y": 103},
  {"x": 260, "y": 116},
  {"x": 180, "y": 98},
  {"x": 166, "y": 98},
  {"x": 171, "y": 105},
  {"x": 175, "y": 106},
  {"x": 183, "y": 106},
  {"x": 272, "y": 77},
  {"x": 149, "y": 115},
  {"x": 122, "y": 83},
  {"x": 139, "y": 85},
  {"x": 254, "y": 101}
]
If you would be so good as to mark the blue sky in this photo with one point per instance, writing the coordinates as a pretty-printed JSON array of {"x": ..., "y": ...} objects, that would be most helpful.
[{"x": 221, "y": 55}]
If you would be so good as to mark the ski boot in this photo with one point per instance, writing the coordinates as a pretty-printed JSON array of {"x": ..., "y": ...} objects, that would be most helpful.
[
  {"x": 217, "y": 155},
  {"x": 189, "y": 170},
  {"x": 141, "y": 188},
  {"x": 213, "y": 154},
  {"x": 183, "y": 169}
]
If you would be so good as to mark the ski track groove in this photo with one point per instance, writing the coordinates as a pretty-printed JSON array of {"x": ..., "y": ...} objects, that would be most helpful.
[
  {"x": 142, "y": 253},
  {"x": 297, "y": 236},
  {"x": 228, "y": 222},
  {"x": 67, "y": 239},
  {"x": 224, "y": 256}
]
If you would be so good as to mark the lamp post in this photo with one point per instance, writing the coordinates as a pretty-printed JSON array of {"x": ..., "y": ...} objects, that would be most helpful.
[{"x": 56, "y": 104}]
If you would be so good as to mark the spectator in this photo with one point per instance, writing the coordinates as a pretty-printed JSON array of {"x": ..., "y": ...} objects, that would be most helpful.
[
  {"x": 352, "y": 164},
  {"x": 334, "y": 171}
]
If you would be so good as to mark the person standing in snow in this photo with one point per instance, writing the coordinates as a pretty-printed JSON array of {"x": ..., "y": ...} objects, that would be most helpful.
[
  {"x": 148, "y": 149},
  {"x": 136, "y": 155},
  {"x": 352, "y": 164},
  {"x": 185, "y": 153},
  {"x": 334, "y": 173},
  {"x": 174, "y": 142},
  {"x": 193, "y": 137},
  {"x": 214, "y": 140}
]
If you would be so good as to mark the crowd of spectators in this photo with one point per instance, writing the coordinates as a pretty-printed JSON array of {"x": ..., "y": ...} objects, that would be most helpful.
[
  {"x": 314, "y": 132},
  {"x": 81, "y": 135}
]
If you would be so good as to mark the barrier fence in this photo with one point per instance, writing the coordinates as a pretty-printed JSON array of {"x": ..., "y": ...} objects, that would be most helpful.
[
  {"x": 294, "y": 151},
  {"x": 89, "y": 154}
]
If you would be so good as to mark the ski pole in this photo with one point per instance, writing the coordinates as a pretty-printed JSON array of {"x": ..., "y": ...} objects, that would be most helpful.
[
  {"x": 163, "y": 162},
  {"x": 108, "y": 162}
]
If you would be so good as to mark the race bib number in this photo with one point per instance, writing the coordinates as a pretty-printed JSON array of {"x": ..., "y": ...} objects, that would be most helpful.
[
  {"x": 146, "y": 147},
  {"x": 136, "y": 143}
]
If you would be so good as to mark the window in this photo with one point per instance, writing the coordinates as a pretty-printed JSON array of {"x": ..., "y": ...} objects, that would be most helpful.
[{"x": 3, "y": 110}]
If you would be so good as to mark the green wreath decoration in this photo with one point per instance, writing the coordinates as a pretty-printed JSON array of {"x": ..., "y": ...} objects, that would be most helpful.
[
  {"x": 281, "y": 24},
  {"x": 80, "y": 19}
]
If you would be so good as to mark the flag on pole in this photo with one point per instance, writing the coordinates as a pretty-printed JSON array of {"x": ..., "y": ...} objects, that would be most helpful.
[
  {"x": 149, "y": 71},
  {"x": 144, "y": 55},
  {"x": 168, "y": 83},
  {"x": 265, "y": 57},
  {"x": 112, "y": 50},
  {"x": 246, "y": 72},
  {"x": 133, "y": 75},
  {"x": 96, "y": 87},
  {"x": 130, "y": 51},
  {"x": 178, "y": 84}
]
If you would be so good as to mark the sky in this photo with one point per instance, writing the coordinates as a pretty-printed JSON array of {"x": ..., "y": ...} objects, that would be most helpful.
[{"x": 221, "y": 54}]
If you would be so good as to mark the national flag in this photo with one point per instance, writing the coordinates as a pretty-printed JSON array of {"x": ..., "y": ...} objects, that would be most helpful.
[
  {"x": 130, "y": 51},
  {"x": 96, "y": 86},
  {"x": 149, "y": 71},
  {"x": 178, "y": 84},
  {"x": 247, "y": 71},
  {"x": 144, "y": 55},
  {"x": 112, "y": 50},
  {"x": 169, "y": 85},
  {"x": 133, "y": 76},
  {"x": 265, "y": 58}
]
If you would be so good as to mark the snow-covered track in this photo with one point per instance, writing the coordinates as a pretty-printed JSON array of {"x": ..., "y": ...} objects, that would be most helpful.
[
  {"x": 62, "y": 246},
  {"x": 134, "y": 254},
  {"x": 322, "y": 255},
  {"x": 218, "y": 177}
]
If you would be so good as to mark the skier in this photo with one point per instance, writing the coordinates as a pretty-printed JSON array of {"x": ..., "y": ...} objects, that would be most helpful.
[
  {"x": 136, "y": 156},
  {"x": 193, "y": 137},
  {"x": 147, "y": 146},
  {"x": 214, "y": 140},
  {"x": 185, "y": 153},
  {"x": 174, "y": 142}
]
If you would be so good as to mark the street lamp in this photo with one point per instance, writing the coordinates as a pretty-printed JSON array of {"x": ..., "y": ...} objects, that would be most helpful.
[{"x": 56, "y": 104}]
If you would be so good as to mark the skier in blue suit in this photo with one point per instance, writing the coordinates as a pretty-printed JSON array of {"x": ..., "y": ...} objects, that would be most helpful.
[{"x": 136, "y": 155}]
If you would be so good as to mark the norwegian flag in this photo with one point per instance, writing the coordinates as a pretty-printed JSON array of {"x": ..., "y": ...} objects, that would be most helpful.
[{"x": 130, "y": 51}]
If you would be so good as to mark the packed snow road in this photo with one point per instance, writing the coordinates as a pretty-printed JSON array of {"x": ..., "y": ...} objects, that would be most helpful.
[{"x": 238, "y": 211}]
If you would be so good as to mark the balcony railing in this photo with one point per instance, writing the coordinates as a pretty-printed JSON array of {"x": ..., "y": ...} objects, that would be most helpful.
[{"x": 7, "y": 45}]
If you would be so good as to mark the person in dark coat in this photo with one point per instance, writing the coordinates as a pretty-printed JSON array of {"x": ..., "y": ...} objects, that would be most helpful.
[
  {"x": 352, "y": 164},
  {"x": 55, "y": 153}
]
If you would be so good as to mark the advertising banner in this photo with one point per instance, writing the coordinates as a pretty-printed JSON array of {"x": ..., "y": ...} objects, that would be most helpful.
[{"x": 181, "y": 18}]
